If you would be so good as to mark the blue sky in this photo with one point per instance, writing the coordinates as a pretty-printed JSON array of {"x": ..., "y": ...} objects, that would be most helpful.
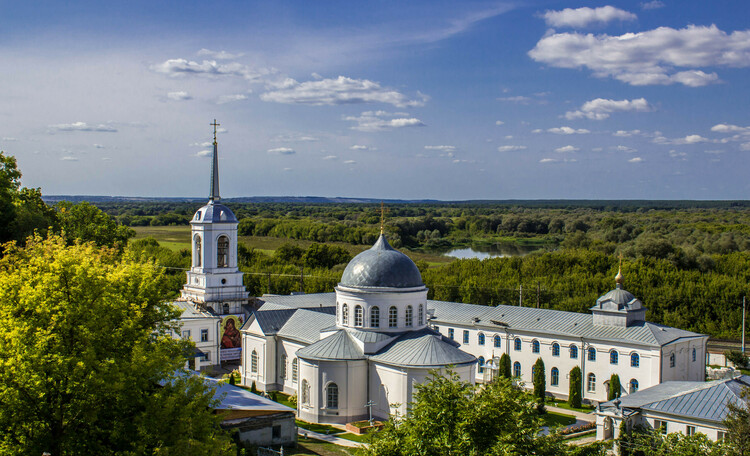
[{"x": 380, "y": 99}]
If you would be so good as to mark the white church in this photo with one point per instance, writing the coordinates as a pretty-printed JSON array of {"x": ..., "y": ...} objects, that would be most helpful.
[{"x": 361, "y": 349}]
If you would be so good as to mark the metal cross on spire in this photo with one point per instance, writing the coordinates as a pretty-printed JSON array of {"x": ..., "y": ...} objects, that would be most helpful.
[
  {"x": 383, "y": 210},
  {"x": 214, "y": 195}
]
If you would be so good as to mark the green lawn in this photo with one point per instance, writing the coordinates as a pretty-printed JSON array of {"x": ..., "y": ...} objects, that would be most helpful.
[
  {"x": 557, "y": 419},
  {"x": 312, "y": 447},
  {"x": 564, "y": 405}
]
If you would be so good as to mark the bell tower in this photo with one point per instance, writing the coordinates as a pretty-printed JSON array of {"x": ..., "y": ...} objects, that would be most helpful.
[{"x": 214, "y": 279}]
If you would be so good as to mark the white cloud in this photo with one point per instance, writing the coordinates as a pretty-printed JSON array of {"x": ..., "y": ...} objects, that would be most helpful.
[
  {"x": 679, "y": 155},
  {"x": 728, "y": 128},
  {"x": 287, "y": 169},
  {"x": 549, "y": 160},
  {"x": 635, "y": 160},
  {"x": 183, "y": 67},
  {"x": 83, "y": 126},
  {"x": 625, "y": 149},
  {"x": 359, "y": 147},
  {"x": 652, "y": 5},
  {"x": 625, "y": 133},
  {"x": 330, "y": 157},
  {"x": 381, "y": 120},
  {"x": 443, "y": 148},
  {"x": 583, "y": 17},
  {"x": 510, "y": 148},
  {"x": 714, "y": 152},
  {"x": 219, "y": 55},
  {"x": 230, "y": 98},
  {"x": 98, "y": 146},
  {"x": 499, "y": 122},
  {"x": 602, "y": 108},
  {"x": 341, "y": 90},
  {"x": 568, "y": 131},
  {"x": 295, "y": 137},
  {"x": 693, "y": 139},
  {"x": 203, "y": 153},
  {"x": 517, "y": 99},
  {"x": 689, "y": 139},
  {"x": 651, "y": 57},
  {"x": 508, "y": 136},
  {"x": 68, "y": 158},
  {"x": 202, "y": 144},
  {"x": 350, "y": 162},
  {"x": 9, "y": 139},
  {"x": 745, "y": 146},
  {"x": 281, "y": 151},
  {"x": 567, "y": 149},
  {"x": 597, "y": 149},
  {"x": 179, "y": 96}
]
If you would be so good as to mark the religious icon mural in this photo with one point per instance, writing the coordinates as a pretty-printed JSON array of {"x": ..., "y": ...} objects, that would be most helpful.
[{"x": 230, "y": 332}]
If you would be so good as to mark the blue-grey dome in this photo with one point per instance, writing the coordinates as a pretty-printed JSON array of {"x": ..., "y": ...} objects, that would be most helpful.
[
  {"x": 381, "y": 266},
  {"x": 619, "y": 299},
  {"x": 214, "y": 213}
]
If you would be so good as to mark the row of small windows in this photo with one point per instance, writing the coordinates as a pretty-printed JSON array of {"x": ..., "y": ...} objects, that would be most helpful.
[
  {"x": 222, "y": 251},
  {"x": 375, "y": 316},
  {"x": 555, "y": 377}
]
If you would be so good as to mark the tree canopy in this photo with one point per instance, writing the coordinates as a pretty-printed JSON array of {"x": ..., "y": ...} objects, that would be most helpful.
[{"x": 88, "y": 363}]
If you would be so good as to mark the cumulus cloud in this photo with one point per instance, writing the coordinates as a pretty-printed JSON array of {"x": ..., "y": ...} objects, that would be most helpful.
[
  {"x": 568, "y": 131},
  {"x": 359, "y": 147},
  {"x": 549, "y": 160},
  {"x": 203, "y": 153},
  {"x": 728, "y": 128},
  {"x": 567, "y": 149},
  {"x": 652, "y": 5},
  {"x": 499, "y": 122},
  {"x": 510, "y": 148},
  {"x": 69, "y": 158},
  {"x": 295, "y": 137},
  {"x": 381, "y": 120},
  {"x": 201, "y": 144},
  {"x": 583, "y": 17},
  {"x": 330, "y": 157},
  {"x": 179, "y": 96},
  {"x": 341, "y": 90},
  {"x": 183, "y": 67},
  {"x": 602, "y": 108},
  {"x": 230, "y": 98},
  {"x": 350, "y": 162},
  {"x": 442, "y": 148},
  {"x": 218, "y": 55},
  {"x": 83, "y": 126},
  {"x": 689, "y": 139},
  {"x": 678, "y": 155},
  {"x": 282, "y": 151},
  {"x": 635, "y": 160},
  {"x": 626, "y": 133},
  {"x": 652, "y": 57},
  {"x": 625, "y": 149}
]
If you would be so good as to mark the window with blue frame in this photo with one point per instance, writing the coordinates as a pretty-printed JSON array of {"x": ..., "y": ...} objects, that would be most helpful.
[
  {"x": 516, "y": 369},
  {"x": 554, "y": 377},
  {"x": 693, "y": 354},
  {"x": 480, "y": 364},
  {"x": 635, "y": 360},
  {"x": 614, "y": 358},
  {"x": 466, "y": 336},
  {"x": 555, "y": 349},
  {"x": 573, "y": 352},
  {"x": 535, "y": 346},
  {"x": 498, "y": 341},
  {"x": 480, "y": 339},
  {"x": 451, "y": 333},
  {"x": 592, "y": 354},
  {"x": 517, "y": 344}
]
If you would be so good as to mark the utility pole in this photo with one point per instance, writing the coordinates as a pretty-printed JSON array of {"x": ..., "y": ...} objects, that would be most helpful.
[
  {"x": 301, "y": 279},
  {"x": 520, "y": 295},
  {"x": 538, "y": 291},
  {"x": 269, "y": 283}
]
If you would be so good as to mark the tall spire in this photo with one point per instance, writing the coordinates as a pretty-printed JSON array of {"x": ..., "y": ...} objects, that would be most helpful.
[
  {"x": 618, "y": 277},
  {"x": 214, "y": 196}
]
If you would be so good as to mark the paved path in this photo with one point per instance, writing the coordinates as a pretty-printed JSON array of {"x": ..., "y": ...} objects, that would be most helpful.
[
  {"x": 330, "y": 438},
  {"x": 580, "y": 416}
]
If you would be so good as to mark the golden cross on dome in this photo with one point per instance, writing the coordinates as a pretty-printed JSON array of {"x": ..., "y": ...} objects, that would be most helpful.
[
  {"x": 618, "y": 277},
  {"x": 215, "y": 125},
  {"x": 383, "y": 210}
]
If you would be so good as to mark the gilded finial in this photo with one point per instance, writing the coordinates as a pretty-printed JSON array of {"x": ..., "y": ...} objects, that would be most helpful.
[
  {"x": 215, "y": 125},
  {"x": 618, "y": 277},
  {"x": 382, "y": 218}
]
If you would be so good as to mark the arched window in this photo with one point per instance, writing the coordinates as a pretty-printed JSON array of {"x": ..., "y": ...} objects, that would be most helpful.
[
  {"x": 197, "y": 261},
  {"x": 517, "y": 344},
  {"x": 332, "y": 396},
  {"x": 392, "y": 317},
  {"x": 498, "y": 341},
  {"x": 633, "y": 385},
  {"x": 591, "y": 383},
  {"x": 222, "y": 252},
  {"x": 480, "y": 364},
  {"x": 635, "y": 360},
  {"x": 480, "y": 338},
  {"x": 671, "y": 360},
  {"x": 554, "y": 377},
  {"x": 358, "y": 315},
  {"x": 535, "y": 346},
  {"x": 305, "y": 392},
  {"x": 516, "y": 369},
  {"x": 409, "y": 316},
  {"x": 573, "y": 352},
  {"x": 555, "y": 349},
  {"x": 295, "y": 369},
  {"x": 254, "y": 362},
  {"x": 375, "y": 317},
  {"x": 614, "y": 357},
  {"x": 345, "y": 314},
  {"x": 420, "y": 315},
  {"x": 693, "y": 354},
  {"x": 283, "y": 366},
  {"x": 592, "y": 354},
  {"x": 226, "y": 308}
]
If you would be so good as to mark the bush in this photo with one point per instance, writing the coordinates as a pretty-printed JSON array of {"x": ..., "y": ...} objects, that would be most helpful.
[
  {"x": 614, "y": 387},
  {"x": 737, "y": 358},
  {"x": 293, "y": 399},
  {"x": 253, "y": 388},
  {"x": 574, "y": 393}
]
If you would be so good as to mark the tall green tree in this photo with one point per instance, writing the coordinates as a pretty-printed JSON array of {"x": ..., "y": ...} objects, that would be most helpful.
[
  {"x": 614, "y": 387},
  {"x": 88, "y": 363},
  {"x": 505, "y": 366},
  {"x": 574, "y": 390},
  {"x": 642, "y": 441},
  {"x": 10, "y": 181},
  {"x": 451, "y": 417},
  {"x": 87, "y": 223},
  {"x": 738, "y": 426},
  {"x": 540, "y": 384}
]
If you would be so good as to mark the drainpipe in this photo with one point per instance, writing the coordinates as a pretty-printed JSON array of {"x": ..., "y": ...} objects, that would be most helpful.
[
  {"x": 661, "y": 362},
  {"x": 583, "y": 369}
]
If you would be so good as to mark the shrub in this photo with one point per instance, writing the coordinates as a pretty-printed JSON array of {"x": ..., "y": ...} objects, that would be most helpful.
[{"x": 574, "y": 393}]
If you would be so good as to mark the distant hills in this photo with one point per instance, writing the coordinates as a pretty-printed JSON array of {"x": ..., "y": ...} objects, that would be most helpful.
[{"x": 546, "y": 203}]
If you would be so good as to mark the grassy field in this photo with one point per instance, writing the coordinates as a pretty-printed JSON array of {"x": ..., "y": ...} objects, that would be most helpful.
[
  {"x": 312, "y": 447},
  {"x": 558, "y": 419},
  {"x": 178, "y": 237}
]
